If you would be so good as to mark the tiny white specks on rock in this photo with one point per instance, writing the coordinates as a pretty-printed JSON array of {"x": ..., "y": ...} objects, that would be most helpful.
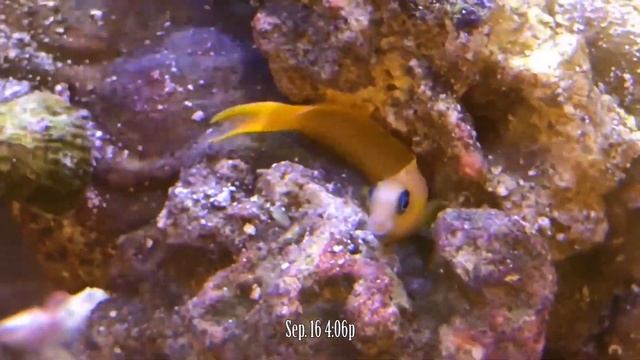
[
  {"x": 198, "y": 116},
  {"x": 96, "y": 14},
  {"x": 284, "y": 266},
  {"x": 505, "y": 184},
  {"x": 280, "y": 216},
  {"x": 249, "y": 229},
  {"x": 501, "y": 190},
  {"x": 544, "y": 222},
  {"x": 512, "y": 278},
  {"x": 255, "y": 292},
  {"x": 62, "y": 90},
  {"x": 223, "y": 199}
]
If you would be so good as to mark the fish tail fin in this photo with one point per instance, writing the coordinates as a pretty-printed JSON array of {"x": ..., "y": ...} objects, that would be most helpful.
[{"x": 260, "y": 117}]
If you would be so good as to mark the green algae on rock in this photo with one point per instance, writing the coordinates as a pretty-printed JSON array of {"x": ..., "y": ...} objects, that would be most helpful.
[
  {"x": 514, "y": 278},
  {"x": 45, "y": 152},
  {"x": 142, "y": 103}
]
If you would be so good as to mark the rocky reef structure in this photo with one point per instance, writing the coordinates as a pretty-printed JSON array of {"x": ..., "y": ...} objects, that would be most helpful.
[
  {"x": 144, "y": 104},
  {"x": 45, "y": 159},
  {"x": 282, "y": 246},
  {"x": 523, "y": 116},
  {"x": 534, "y": 101},
  {"x": 506, "y": 85},
  {"x": 493, "y": 253}
]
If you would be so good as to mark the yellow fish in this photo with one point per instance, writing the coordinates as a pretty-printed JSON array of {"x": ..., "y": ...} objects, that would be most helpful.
[{"x": 398, "y": 199}]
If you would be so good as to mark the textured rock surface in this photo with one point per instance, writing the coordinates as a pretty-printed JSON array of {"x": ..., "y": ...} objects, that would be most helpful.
[
  {"x": 620, "y": 329},
  {"x": 527, "y": 107},
  {"x": 509, "y": 85},
  {"x": 297, "y": 253},
  {"x": 21, "y": 282},
  {"x": 142, "y": 91},
  {"x": 75, "y": 249},
  {"x": 11, "y": 89},
  {"x": 157, "y": 89},
  {"x": 614, "y": 39},
  {"x": 596, "y": 289},
  {"x": 45, "y": 152},
  {"x": 542, "y": 94},
  {"x": 511, "y": 271}
]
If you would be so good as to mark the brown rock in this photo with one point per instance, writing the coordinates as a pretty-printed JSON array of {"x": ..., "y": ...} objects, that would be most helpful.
[{"x": 510, "y": 272}]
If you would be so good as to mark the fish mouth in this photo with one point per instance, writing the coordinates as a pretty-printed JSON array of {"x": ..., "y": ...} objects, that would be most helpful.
[{"x": 379, "y": 228}]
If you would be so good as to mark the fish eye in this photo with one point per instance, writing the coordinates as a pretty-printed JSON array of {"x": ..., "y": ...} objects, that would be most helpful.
[{"x": 403, "y": 202}]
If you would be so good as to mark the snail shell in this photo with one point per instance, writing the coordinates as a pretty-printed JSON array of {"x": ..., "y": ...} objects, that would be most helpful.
[{"x": 45, "y": 152}]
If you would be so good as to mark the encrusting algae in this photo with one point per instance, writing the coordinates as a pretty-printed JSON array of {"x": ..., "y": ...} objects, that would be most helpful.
[{"x": 45, "y": 152}]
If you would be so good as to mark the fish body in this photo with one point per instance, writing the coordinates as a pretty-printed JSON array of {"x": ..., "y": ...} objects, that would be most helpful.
[{"x": 398, "y": 199}]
